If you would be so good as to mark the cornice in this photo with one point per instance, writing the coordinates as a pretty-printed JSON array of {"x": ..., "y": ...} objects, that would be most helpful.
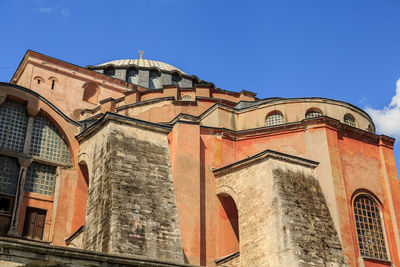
[{"x": 266, "y": 154}]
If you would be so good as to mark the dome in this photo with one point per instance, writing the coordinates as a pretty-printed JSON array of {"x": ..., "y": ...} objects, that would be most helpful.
[{"x": 141, "y": 63}]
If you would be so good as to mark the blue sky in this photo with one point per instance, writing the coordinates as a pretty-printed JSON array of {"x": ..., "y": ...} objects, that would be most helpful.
[{"x": 344, "y": 49}]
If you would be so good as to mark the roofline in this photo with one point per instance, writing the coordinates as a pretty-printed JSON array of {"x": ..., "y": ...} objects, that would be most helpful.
[
  {"x": 266, "y": 154},
  {"x": 56, "y": 60},
  {"x": 109, "y": 63},
  {"x": 42, "y": 99},
  {"x": 277, "y": 99},
  {"x": 120, "y": 118}
]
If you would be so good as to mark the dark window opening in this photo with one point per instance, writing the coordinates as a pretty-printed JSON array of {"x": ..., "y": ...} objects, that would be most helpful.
[
  {"x": 38, "y": 81},
  {"x": 176, "y": 78},
  {"x": 35, "y": 220},
  {"x": 153, "y": 79},
  {"x": 132, "y": 75},
  {"x": 52, "y": 84},
  {"x": 6, "y": 204},
  {"x": 109, "y": 71}
]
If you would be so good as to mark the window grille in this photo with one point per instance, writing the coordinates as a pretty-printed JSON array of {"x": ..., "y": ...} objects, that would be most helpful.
[
  {"x": 348, "y": 119},
  {"x": 40, "y": 179},
  {"x": 370, "y": 234},
  {"x": 13, "y": 123},
  {"x": 313, "y": 113},
  {"x": 47, "y": 141},
  {"x": 9, "y": 172},
  {"x": 274, "y": 119}
]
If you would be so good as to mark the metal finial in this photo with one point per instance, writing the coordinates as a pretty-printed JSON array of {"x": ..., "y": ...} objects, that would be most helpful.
[{"x": 141, "y": 54}]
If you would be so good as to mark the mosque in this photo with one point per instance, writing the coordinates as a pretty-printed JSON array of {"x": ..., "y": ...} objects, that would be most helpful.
[{"x": 136, "y": 163}]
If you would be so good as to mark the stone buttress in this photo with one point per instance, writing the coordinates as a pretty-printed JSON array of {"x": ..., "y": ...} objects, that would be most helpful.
[{"x": 131, "y": 200}]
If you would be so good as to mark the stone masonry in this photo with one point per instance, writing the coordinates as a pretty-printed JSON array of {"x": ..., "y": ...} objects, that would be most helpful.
[
  {"x": 131, "y": 200},
  {"x": 283, "y": 216}
]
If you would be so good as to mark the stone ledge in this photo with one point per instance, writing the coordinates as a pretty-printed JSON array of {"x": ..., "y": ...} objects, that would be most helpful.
[
  {"x": 28, "y": 252},
  {"x": 266, "y": 154}
]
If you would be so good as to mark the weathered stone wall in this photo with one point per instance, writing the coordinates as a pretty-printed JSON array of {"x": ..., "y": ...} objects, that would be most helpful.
[
  {"x": 307, "y": 220},
  {"x": 131, "y": 199},
  {"x": 283, "y": 217},
  {"x": 19, "y": 252}
]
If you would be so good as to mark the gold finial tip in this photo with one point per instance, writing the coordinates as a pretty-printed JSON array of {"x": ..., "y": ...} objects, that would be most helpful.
[{"x": 141, "y": 54}]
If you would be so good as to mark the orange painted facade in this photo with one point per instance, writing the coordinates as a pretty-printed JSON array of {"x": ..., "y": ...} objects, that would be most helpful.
[{"x": 210, "y": 131}]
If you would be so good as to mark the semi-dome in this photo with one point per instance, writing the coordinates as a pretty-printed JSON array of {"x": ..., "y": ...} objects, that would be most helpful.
[{"x": 141, "y": 63}]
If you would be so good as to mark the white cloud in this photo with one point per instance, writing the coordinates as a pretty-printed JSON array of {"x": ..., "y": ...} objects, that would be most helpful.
[
  {"x": 65, "y": 12},
  {"x": 55, "y": 10},
  {"x": 387, "y": 120},
  {"x": 45, "y": 9}
]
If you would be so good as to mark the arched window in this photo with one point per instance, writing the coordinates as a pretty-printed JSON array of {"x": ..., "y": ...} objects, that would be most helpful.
[
  {"x": 154, "y": 79},
  {"x": 176, "y": 78},
  {"x": 186, "y": 98},
  {"x": 349, "y": 120},
  {"x": 47, "y": 141},
  {"x": 313, "y": 112},
  {"x": 132, "y": 75},
  {"x": 47, "y": 149},
  {"x": 370, "y": 235},
  {"x": 274, "y": 118},
  {"x": 38, "y": 79},
  {"x": 109, "y": 71}
]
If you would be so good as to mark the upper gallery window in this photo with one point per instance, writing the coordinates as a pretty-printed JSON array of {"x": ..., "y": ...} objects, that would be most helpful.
[
  {"x": 109, "y": 71},
  {"x": 132, "y": 75},
  {"x": 349, "y": 119},
  {"x": 176, "y": 78},
  {"x": 313, "y": 112},
  {"x": 274, "y": 118},
  {"x": 154, "y": 79},
  {"x": 371, "y": 238},
  {"x": 187, "y": 98}
]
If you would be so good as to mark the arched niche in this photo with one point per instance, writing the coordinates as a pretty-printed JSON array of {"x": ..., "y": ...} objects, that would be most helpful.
[
  {"x": 90, "y": 93},
  {"x": 228, "y": 234}
]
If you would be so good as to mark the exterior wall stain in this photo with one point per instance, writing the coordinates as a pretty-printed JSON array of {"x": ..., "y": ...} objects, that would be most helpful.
[{"x": 131, "y": 198}]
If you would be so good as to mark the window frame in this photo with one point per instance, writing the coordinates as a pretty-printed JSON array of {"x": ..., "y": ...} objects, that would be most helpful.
[
  {"x": 383, "y": 227},
  {"x": 127, "y": 74},
  {"x": 272, "y": 113},
  {"x": 108, "y": 69},
  {"x": 353, "y": 119},
  {"x": 311, "y": 110}
]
